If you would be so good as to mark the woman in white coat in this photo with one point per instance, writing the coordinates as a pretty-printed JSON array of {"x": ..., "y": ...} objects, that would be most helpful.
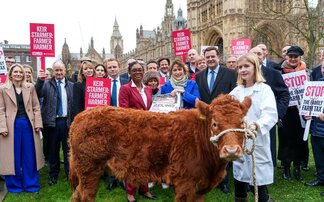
[{"x": 263, "y": 114}]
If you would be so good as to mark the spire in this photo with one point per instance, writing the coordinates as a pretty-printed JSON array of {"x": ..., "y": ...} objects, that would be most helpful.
[
  {"x": 169, "y": 8},
  {"x": 116, "y": 32},
  {"x": 92, "y": 44}
]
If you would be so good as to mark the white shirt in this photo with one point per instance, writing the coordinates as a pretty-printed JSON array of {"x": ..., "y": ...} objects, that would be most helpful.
[
  {"x": 142, "y": 93},
  {"x": 264, "y": 112},
  {"x": 118, "y": 84},
  {"x": 64, "y": 97}
]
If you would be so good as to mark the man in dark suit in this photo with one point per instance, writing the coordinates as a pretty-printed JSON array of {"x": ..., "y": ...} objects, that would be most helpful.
[
  {"x": 113, "y": 68},
  {"x": 280, "y": 90},
  {"x": 126, "y": 75},
  {"x": 317, "y": 71},
  {"x": 266, "y": 61},
  {"x": 224, "y": 78},
  {"x": 213, "y": 81},
  {"x": 192, "y": 54}
]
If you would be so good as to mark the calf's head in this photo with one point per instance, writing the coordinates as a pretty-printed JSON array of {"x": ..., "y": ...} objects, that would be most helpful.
[{"x": 225, "y": 112}]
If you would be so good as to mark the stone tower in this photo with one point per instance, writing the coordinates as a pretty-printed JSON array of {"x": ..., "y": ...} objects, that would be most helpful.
[{"x": 116, "y": 42}]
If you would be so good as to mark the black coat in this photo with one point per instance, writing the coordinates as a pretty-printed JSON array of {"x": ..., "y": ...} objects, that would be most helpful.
[
  {"x": 225, "y": 82},
  {"x": 78, "y": 98},
  {"x": 280, "y": 90}
]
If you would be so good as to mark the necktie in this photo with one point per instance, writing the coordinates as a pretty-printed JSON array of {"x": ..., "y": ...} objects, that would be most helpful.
[
  {"x": 212, "y": 80},
  {"x": 114, "y": 94},
  {"x": 59, "y": 99}
]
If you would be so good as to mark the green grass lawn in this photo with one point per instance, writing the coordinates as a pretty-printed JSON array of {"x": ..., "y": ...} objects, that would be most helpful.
[{"x": 281, "y": 190}]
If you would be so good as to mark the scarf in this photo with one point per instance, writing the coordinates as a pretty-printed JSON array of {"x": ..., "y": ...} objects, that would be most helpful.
[
  {"x": 288, "y": 69},
  {"x": 179, "y": 85}
]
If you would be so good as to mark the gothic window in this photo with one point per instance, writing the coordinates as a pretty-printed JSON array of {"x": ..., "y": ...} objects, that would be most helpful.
[
  {"x": 169, "y": 11},
  {"x": 204, "y": 16},
  {"x": 219, "y": 7}
]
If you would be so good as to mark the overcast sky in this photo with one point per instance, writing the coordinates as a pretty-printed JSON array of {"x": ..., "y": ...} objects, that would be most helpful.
[{"x": 79, "y": 20}]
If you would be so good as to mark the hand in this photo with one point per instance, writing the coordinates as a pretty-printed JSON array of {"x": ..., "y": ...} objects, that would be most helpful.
[
  {"x": 174, "y": 93},
  {"x": 253, "y": 127},
  {"x": 321, "y": 117},
  {"x": 4, "y": 134},
  {"x": 41, "y": 74},
  {"x": 308, "y": 117}
]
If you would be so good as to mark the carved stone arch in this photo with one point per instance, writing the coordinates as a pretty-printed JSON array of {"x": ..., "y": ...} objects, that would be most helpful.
[
  {"x": 270, "y": 34},
  {"x": 215, "y": 38}
]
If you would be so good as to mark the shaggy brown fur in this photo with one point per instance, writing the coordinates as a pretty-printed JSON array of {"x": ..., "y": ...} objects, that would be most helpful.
[{"x": 142, "y": 147}]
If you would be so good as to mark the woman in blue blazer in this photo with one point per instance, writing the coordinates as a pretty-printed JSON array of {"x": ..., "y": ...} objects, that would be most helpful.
[{"x": 179, "y": 84}]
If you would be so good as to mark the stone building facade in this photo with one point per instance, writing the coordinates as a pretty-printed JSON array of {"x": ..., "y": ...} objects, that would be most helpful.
[{"x": 157, "y": 43}]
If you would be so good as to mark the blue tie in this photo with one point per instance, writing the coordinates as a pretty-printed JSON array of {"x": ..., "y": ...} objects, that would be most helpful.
[
  {"x": 59, "y": 100},
  {"x": 212, "y": 80},
  {"x": 114, "y": 94}
]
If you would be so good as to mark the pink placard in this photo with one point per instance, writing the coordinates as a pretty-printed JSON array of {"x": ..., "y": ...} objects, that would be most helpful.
[
  {"x": 42, "y": 41},
  {"x": 3, "y": 79},
  {"x": 240, "y": 47},
  {"x": 181, "y": 42},
  {"x": 97, "y": 92}
]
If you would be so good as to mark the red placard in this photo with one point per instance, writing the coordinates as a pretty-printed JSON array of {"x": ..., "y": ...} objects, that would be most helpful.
[
  {"x": 97, "y": 92},
  {"x": 42, "y": 41},
  {"x": 240, "y": 47},
  {"x": 181, "y": 42},
  {"x": 3, "y": 79}
]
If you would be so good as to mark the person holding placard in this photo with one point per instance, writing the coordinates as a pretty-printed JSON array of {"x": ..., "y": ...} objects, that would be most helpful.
[
  {"x": 292, "y": 148},
  {"x": 180, "y": 85},
  {"x": 317, "y": 141},
  {"x": 56, "y": 95},
  {"x": 86, "y": 70}
]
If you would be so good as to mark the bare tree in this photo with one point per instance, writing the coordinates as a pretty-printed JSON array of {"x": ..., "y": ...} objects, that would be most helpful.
[{"x": 292, "y": 21}]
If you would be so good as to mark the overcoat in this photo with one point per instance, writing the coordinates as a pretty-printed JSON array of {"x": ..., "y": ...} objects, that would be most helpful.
[{"x": 8, "y": 111}]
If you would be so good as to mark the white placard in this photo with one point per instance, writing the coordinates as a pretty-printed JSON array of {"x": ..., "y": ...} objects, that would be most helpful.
[
  {"x": 295, "y": 82},
  {"x": 313, "y": 100},
  {"x": 3, "y": 68},
  {"x": 165, "y": 103}
]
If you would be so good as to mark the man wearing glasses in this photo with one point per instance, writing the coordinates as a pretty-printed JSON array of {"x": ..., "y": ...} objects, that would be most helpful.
[{"x": 10, "y": 61}]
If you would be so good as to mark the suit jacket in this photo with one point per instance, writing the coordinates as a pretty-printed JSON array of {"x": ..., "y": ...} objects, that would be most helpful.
[
  {"x": 125, "y": 76},
  {"x": 272, "y": 65},
  {"x": 129, "y": 97},
  {"x": 316, "y": 73},
  {"x": 123, "y": 81},
  {"x": 280, "y": 90},
  {"x": 8, "y": 111},
  {"x": 225, "y": 82}
]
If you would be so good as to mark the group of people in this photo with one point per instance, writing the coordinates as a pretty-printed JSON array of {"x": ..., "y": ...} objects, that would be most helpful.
[{"x": 49, "y": 106}]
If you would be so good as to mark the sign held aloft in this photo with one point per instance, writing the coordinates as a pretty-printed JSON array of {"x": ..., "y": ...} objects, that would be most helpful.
[{"x": 181, "y": 43}]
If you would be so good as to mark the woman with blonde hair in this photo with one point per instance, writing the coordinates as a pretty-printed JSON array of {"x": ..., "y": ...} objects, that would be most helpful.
[
  {"x": 86, "y": 70},
  {"x": 29, "y": 73},
  {"x": 20, "y": 124},
  {"x": 261, "y": 117}
]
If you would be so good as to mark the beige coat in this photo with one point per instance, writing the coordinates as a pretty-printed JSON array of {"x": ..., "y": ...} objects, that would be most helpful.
[{"x": 8, "y": 111}]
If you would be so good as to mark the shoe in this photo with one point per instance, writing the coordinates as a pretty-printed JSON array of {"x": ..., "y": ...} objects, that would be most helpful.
[
  {"x": 111, "y": 185},
  {"x": 314, "y": 183},
  {"x": 52, "y": 181},
  {"x": 152, "y": 197},
  {"x": 225, "y": 189},
  {"x": 129, "y": 200},
  {"x": 286, "y": 173},
  {"x": 297, "y": 173},
  {"x": 304, "y": 166}
]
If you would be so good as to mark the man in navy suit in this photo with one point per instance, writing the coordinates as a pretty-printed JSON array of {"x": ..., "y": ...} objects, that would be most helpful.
[
  {"x": 266, "y": 61},
  {"x": 225, "y": 78},
  {"x": 280, "y": 90},
  {"x": 213, "y": 81},
  {"x": 113, "y": 68}
]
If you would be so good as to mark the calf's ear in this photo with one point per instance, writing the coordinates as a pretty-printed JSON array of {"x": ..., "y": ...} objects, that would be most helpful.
[
  {"x": 246, "y": 104},
  {"x": 203, "y": 109}
]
